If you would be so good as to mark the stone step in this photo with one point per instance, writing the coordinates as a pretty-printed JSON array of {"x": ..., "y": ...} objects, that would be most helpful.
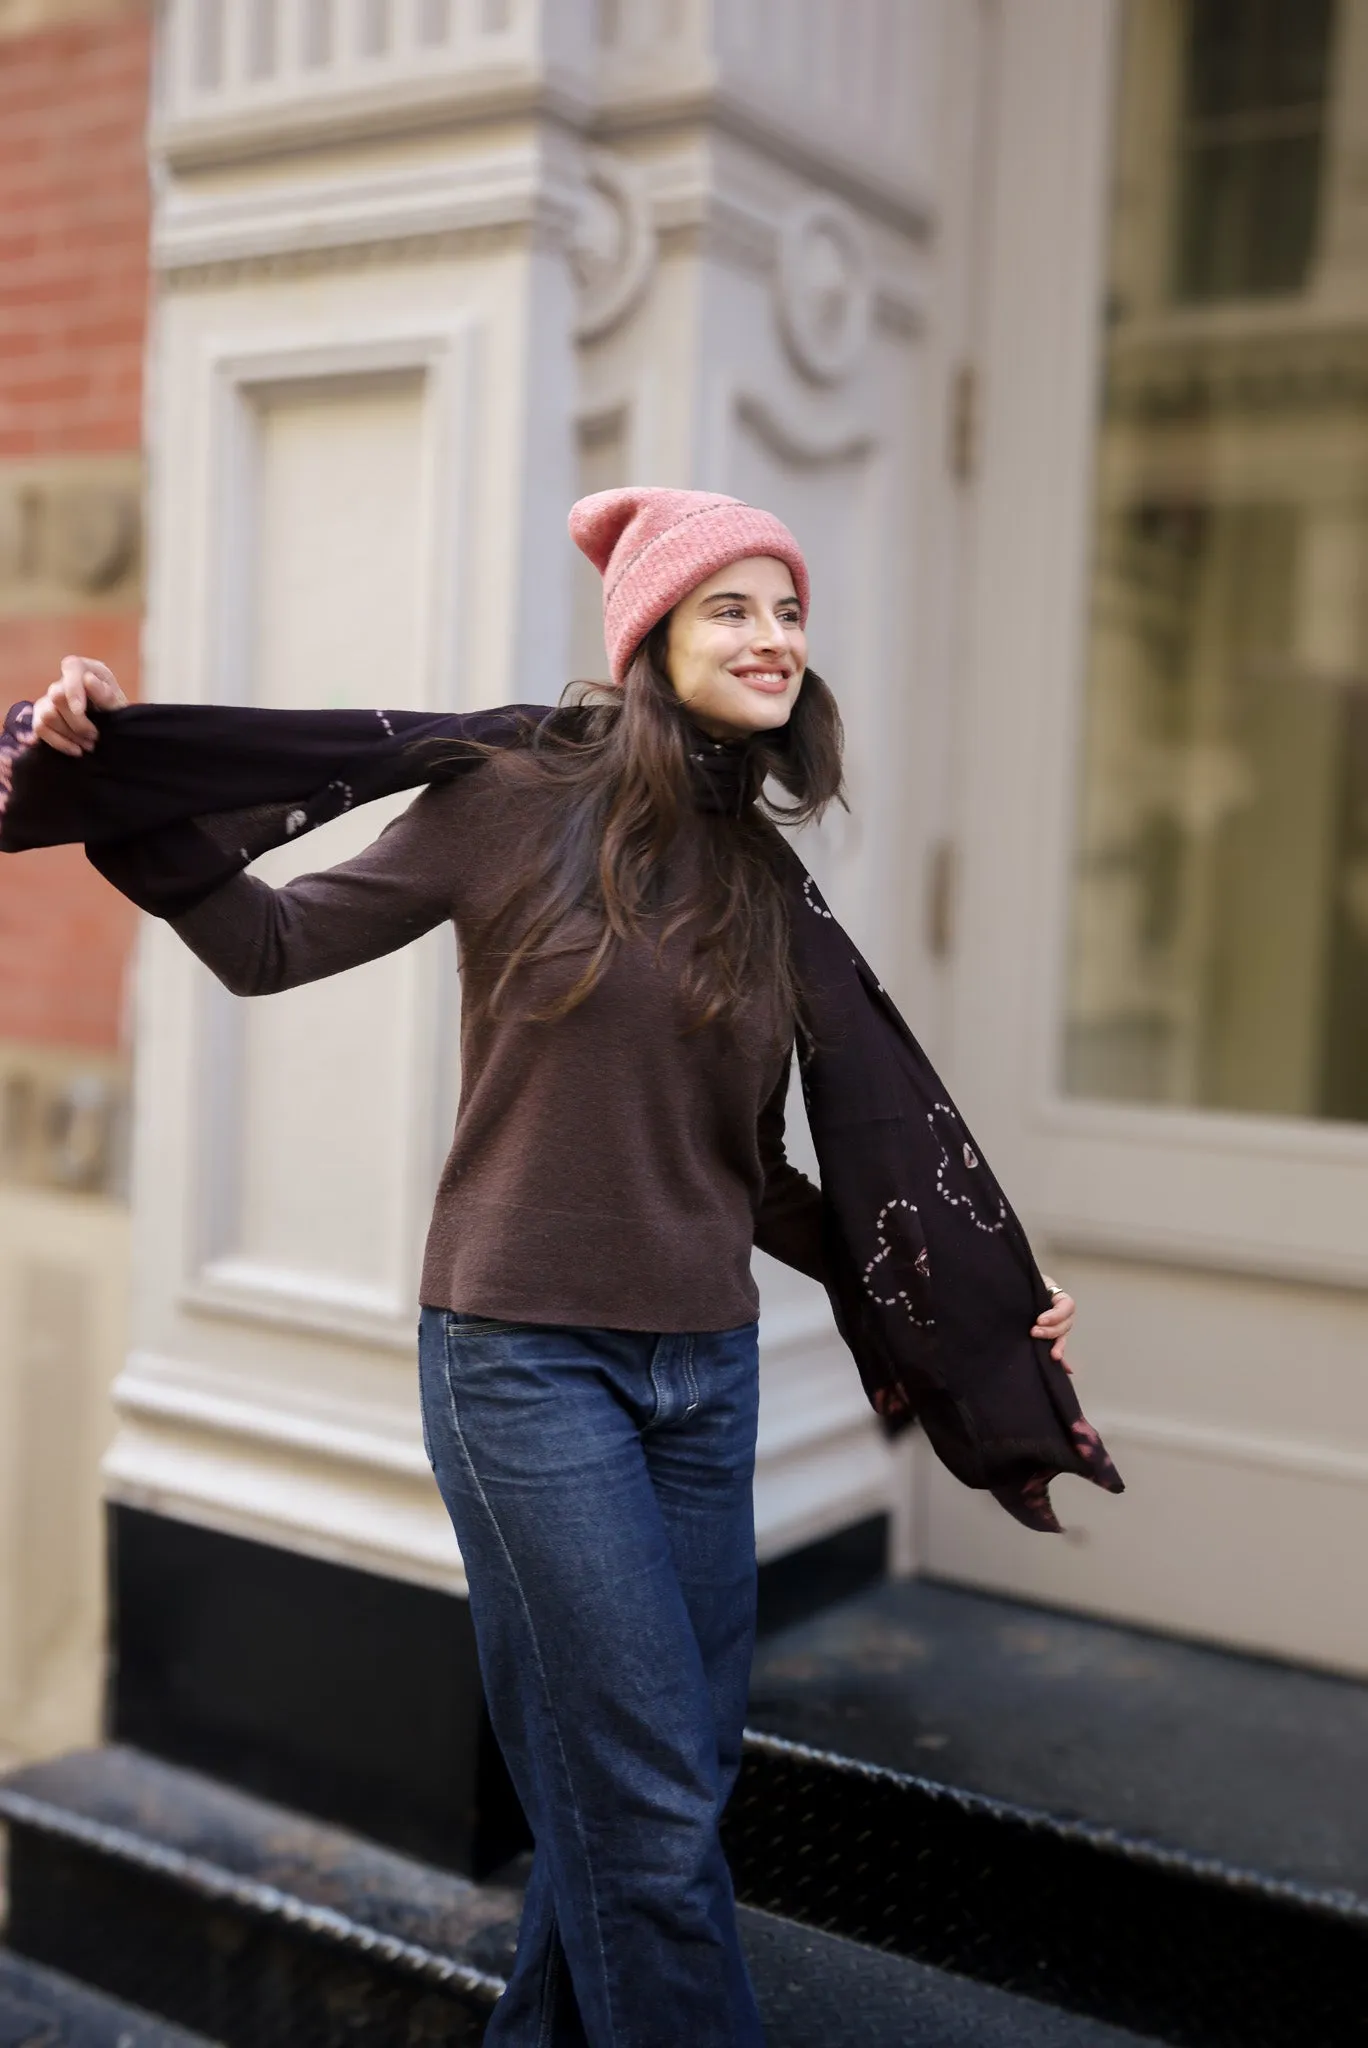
[
  {"x": 1190, "y": 1952},
  {"x": 1162, "y": 1833},
  {"x": 43, "y": 2009},
  {"x": 262, "y": 1929},
  {"x": 1230, "y": 1758}
]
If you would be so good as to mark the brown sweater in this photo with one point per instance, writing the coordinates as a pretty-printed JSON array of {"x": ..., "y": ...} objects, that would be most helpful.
[{"x": 608, "y": 1169}]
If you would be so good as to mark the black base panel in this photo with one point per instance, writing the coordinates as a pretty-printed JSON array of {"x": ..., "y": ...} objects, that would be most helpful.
[
  {"x": 804, "y": 1582},
  {"x": 1199, "y": 1955},
  {"x": 346, "y": 1694},
  {"x": 351, "y": 1696}
]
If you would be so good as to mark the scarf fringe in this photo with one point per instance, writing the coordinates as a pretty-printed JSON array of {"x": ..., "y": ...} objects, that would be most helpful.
[{"x": 16, "y": 737}]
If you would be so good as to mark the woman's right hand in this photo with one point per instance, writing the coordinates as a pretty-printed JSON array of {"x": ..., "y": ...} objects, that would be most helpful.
[{"x": 59, "y": 716}]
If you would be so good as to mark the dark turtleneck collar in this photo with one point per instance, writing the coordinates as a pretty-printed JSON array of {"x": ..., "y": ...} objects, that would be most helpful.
[{"x": 725, "y": 774}]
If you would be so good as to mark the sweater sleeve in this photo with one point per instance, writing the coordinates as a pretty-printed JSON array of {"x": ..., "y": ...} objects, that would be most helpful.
[
  {"x": 788, "y": 1221},
  {"x": 259, "y": 940}
]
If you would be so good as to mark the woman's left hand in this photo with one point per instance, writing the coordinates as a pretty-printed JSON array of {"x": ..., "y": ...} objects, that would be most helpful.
[{"x": 1055, "y": 1323}]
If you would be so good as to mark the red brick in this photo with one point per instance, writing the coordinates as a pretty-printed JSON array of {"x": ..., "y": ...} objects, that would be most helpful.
[
  {"x": 73, "y": 235},
  {"x": 73, "y": 303},
  {"x": 65, "y": 934}
]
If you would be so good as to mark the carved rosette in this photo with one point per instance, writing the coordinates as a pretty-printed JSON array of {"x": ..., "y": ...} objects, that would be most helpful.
[
  {"x": 613, "y": 247},
  {"x": 824, "y": 288}
]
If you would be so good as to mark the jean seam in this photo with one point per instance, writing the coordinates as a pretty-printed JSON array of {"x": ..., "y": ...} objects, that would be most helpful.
[
  {"x": 550, "y": 1989},
  {"x": 690, "y": 1376},
  {"x": 483, "y": 1499},
  {"x": 660, "y": 1398}
]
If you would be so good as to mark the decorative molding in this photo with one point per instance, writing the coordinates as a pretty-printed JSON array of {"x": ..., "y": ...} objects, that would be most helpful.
[
  {"x": 197, "y": 1444},
  {"x": 1283, "y": 1198},
  {"x": 613, "y": 247},
  {"x": 1139, "y": 1243},
  {"x": 442, "y": 351},
  {"x": 236, "y": 1485},
  {"x": 823, "y": 288},
  {"x": 791, "y": 143},
  {"x": 412, "y": 107},
  {"x": 172, "y": 1391},
  {"x": 366, "y": 210},
  {"x": 222, "y": 1279},
  {"x": 237, "y": 82},
  {"x": 460, "y": 244},
  {"x": 800, "y": 445},
  {"x": 238, "y": 85},
  {"x": 253, "y": 1291},
  {"x": 731, "y": 230},
  {"x": 1214, "y": 1443},
  {"x": 612, "y": 227}
]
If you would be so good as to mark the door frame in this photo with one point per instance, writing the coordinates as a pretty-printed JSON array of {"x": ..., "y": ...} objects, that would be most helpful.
[{"x": 1223, "y": 1192}]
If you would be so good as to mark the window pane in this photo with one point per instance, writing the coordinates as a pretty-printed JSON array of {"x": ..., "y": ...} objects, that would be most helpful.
[
  {"x": 1250, "y": 56},
  {"x": 1219, "y": 950},
  {"x": 1249, "y": 217},
  {"x": 1251, "y": 105}
]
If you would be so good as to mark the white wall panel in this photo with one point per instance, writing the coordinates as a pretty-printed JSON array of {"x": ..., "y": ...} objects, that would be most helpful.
[
  {"x": 327, "y": 1071},
  {"x": 328, "y": 452},
  {"x": 340, "y": 540}
]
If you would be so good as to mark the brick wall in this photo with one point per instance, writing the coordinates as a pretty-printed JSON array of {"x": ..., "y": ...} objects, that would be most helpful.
[{"x": 73, "y": 299}]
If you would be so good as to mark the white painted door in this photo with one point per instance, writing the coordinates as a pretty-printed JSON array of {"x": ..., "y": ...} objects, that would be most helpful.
[{"x": 1158, "y": 1006}]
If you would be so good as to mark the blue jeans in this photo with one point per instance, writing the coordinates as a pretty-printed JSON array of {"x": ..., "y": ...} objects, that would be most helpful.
[{"x": 599, "y": 1482}]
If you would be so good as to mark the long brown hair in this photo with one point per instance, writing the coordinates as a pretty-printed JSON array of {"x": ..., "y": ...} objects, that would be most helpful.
[{"x": 619, "y": 761}]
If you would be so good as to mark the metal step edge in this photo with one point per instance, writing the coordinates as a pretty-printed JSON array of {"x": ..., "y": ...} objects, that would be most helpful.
[
  {"x": 1328, "y": 1904},
  {"x": 62, "y": 2000},
  {"x": 214, "y": 1884}
]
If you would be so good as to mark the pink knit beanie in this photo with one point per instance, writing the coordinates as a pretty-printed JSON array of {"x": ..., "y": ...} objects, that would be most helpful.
[{"x": 652, "y": 547}]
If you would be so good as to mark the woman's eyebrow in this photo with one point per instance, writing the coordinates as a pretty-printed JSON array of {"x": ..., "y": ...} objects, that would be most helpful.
[{"x": 741, "y": 597}]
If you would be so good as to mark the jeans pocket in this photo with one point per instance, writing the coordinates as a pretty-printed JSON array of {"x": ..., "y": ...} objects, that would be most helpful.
[{"x": 459, "y": 1324}]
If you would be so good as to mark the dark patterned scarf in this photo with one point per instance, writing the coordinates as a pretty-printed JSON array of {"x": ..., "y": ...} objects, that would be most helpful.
[{"x": 930, "y": 1276}]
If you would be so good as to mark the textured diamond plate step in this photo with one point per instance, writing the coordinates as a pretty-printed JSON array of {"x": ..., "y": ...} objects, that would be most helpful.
[
  {"x": 1166, "y": 1834},
  {"x": 1188, "y": 1950},
  {"x": 43, "y": 2009},
  {"x": 820, "y": 1991},
  {"x": 266, "y": 1930}
]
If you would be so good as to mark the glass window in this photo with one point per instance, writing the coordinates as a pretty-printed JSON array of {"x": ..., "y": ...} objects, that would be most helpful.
[
  {"x": 1219, "y": 949},
  {"x": 1253, "y": 106}
]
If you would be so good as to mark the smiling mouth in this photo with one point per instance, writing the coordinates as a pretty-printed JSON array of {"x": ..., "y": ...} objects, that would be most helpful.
[{"x": 763, "y": 678}]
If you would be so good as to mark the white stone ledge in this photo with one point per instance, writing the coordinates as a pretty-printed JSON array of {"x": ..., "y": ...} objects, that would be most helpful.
[
  {"x": 339, "y": 118},
  {"x": 509, "y": 188}
]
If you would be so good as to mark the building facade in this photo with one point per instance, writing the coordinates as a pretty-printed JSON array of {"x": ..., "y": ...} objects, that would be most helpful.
[
  {"x": 74, "y": 219},
  {"x": 1039, "y": 320}
]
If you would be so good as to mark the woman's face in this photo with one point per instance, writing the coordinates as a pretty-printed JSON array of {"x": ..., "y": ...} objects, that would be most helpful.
[{"x": 737, "y": 649}]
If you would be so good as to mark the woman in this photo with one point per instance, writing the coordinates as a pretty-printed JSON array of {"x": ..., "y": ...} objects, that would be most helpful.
[{"x": 588, "y": 1335}]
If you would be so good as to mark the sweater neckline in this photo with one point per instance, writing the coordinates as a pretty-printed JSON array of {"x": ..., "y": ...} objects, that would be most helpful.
[{"x": 722, "y": 774}]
